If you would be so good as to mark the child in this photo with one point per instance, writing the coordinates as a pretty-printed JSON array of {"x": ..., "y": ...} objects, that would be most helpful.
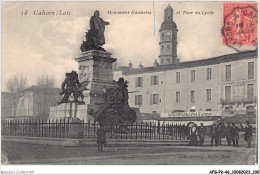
[{"x": 101, "y": 139}]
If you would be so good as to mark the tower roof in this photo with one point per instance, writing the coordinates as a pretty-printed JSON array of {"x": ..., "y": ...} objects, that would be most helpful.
[
  {"x": 168, "y": 25},
  {"x": 169, "y": 7},
  {"x": 168, "y": 22}
]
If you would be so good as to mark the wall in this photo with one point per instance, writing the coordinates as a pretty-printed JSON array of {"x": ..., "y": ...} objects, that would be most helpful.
[{"x": 167, "y": 88}]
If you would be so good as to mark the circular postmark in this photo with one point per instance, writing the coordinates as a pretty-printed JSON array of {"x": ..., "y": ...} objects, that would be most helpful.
[{"x": 240, "y": 25}]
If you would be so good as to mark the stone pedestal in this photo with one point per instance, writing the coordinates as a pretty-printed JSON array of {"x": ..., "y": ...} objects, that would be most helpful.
[
  {"x": 96, "y": 66},
  {"x": 76, "y": 129}
]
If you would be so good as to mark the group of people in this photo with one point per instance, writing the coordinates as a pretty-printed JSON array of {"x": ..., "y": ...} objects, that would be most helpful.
[{"x": 220, "y": 131}]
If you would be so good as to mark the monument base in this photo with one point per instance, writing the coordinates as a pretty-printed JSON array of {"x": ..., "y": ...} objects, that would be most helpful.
[
  {"x": 71, "y": 110},
  {"x": 96, "y": 68}
]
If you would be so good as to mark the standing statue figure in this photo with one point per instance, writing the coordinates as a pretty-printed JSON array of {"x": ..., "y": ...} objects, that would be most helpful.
[
  {"x": 95, "y": 36},
  {"x": 71, "y": 85},
  {"x": 123, "y": 88}
]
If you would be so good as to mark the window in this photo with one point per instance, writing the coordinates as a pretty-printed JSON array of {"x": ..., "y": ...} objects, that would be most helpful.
[
  {"x": 208, "y": 109},
  {"x": 154, "y": 99},
  {"x": 227, "y": 92},
  {"x": 162, "y": 35},
  {"x": 193, "y": 75},
  {"x": 139, "y": 82},
  {"x": 138, "y": 99},
  {"x": 162, "y": 47},
  {"x": 192, "y": 96},
  {"x": 250, "y": 91},
  {"x": 228, "y": 108},
  {"x": 178, "y": 95},
  {"x": 251, "y": 70},
  {"x": 155, "y": 80},
  {"x": 208, "y": 73},
  {"x": 228, "y": 73},
  {"x": 162, "y": 61},
  {"x": 192, "y": 110},
  {"x": 168, "y": 46},
  {"x": 208, "y": 96},
  {"x": 178, "y": 77}
]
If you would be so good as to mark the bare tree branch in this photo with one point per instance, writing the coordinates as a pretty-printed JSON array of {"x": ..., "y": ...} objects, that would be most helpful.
[
  {"x": 46, "y": 81},
  {"x": 16, "y": 84}
]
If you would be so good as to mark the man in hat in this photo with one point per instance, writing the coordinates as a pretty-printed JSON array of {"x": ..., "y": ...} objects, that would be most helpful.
[
  {"x": 214, "y": 134},
  {"x": 201, "y": 134},
  {"x": 193, "y": 135},
  {"x": 235, "y": 134},
  {"x": 248, "y": 133},
  {"x": 228, "y": 134},
  {"x": 101, "y": 139}
]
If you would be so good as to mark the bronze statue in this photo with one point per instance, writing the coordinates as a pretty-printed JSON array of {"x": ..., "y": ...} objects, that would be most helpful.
[
  {"x": 123, "y": 88},
  {"x": 71, "y": 85},
  {"x": 95, "y": 36}
]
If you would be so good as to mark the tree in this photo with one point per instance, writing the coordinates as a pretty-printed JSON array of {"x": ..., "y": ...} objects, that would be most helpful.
[
  {"x": 15, "y": 85},
  {"x": 46, "y": 81},
  {"x": 44, "y": 99}
]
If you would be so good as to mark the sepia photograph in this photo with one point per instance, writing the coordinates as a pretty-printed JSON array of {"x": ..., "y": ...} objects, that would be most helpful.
[{"x": 129, "y": 83}]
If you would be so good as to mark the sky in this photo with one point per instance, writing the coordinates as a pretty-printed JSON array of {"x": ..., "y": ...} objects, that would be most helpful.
[{"x": 40, "y": 45}]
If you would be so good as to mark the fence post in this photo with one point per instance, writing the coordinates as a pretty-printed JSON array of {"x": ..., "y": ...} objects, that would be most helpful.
[
  {"x": 145, "y": 130},
  {"x": 150, "y": 130},
  {"x": 111, "y": 131},
  {"x": 163, "y": 130},
  {"x": 180, "y": 130},
  {"x": 131, "y": 130},
  {"x": 141, "y": 130},
  {"x": 36, "y": 129},
  {"x": 136, "y": 130},
  {"x": 83, "y": 125},
  {"x": 159, "y": 130},
  {"x": 176, "y": 135},
  {"x": 94, "y": 129},
  {"x": 116, "y": 131},
  {"x": 154, "y": 130},
  {"x": 39, "y": 126},
  {"x": 30, "y": 127},
  {"x": 121, "y": 133},
  {"x": 88, "y": 127}
]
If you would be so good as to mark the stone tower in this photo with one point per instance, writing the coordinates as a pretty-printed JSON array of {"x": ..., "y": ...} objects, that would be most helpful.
[{"x": 168, "y": 39}]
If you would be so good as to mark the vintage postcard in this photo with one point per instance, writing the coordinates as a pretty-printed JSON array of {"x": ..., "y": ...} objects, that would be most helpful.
[{"x": 129, "y": 83}]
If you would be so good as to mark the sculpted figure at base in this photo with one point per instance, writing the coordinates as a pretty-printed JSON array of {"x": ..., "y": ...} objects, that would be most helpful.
[
  {"x": 123, "y": 88},
  {"x": 71, "y": 85},
  {"x": 95, "y": 36}
]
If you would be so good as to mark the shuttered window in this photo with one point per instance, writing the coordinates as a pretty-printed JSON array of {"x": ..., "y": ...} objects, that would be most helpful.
[
  {"x": 139, "y": 82},
  {"x": 138, "y": 99},
  {"x": 154, "y": 99},
  {"x": 155, "y": 80}
]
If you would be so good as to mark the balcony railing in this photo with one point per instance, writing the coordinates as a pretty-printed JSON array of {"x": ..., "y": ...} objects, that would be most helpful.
[{"x": 244, "y": 100}]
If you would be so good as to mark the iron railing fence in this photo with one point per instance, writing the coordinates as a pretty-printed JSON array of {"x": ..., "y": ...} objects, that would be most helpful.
[{"x": 60, "y": 128}]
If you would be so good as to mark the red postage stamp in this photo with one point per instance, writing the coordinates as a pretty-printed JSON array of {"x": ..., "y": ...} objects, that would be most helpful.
[{"x": 240, "y": 23}]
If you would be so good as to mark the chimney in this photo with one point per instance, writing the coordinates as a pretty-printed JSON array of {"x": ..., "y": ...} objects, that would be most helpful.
[
  {"x": 130, "y": 66},
  {"x": 140, "y": 67},
  {"x": 156, "y": 64}
]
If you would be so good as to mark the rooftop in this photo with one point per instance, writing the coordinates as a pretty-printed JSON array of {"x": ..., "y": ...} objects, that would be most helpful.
[
  {"x": 38, "y": 89},
  {"x": 190, "y": 64}
]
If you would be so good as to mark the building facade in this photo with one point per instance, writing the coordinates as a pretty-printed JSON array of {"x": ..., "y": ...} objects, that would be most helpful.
[
  {"x": 36, "y": 101},
  {"x": 224, "y": 83},
  {"x": 7, "y": 101}
]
